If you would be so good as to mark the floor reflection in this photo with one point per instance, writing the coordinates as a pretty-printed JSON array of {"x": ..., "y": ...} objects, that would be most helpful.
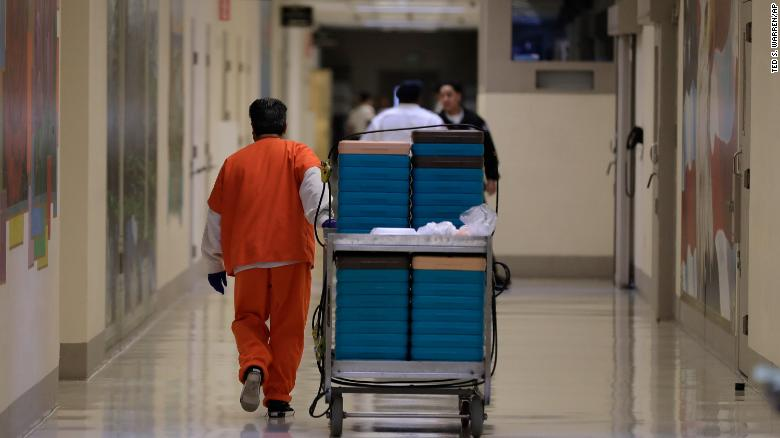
[{"x": 576, "y": 359}]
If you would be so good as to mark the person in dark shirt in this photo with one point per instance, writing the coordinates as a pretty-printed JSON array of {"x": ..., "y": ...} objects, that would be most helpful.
[{"x": 453, "y": 112}]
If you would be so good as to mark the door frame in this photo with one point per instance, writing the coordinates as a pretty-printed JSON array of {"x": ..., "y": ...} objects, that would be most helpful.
[
  {"x": 747, "y": 358},
  {"x": 625, "y": 63},
  {"x": 199, "y": 131}
]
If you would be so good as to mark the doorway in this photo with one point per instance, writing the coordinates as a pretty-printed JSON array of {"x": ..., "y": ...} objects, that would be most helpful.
[
  {"x": 200, "y": 161},
  {"x": 132, "y": 80},
  {"x": 747, "y": 359},
  {"x": 625, "y": 162}
]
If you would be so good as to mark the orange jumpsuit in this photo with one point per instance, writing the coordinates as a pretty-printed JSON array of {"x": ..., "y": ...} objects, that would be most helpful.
[{"x": 262, "y": 204}]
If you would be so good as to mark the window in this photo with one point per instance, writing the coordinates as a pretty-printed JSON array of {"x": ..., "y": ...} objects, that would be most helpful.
[{"x": 560, "y": 30}]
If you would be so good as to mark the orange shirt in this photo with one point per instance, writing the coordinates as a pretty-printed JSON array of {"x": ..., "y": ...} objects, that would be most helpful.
[{"x": 257, "y": 197}]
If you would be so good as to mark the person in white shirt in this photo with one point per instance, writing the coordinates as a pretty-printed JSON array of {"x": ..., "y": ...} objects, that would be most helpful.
[
  {"x": 407, "y": 114},
  {"x": 361, "y": 115}
]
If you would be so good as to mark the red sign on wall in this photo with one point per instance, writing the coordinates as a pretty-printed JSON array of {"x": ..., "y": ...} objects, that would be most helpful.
[{"x": 224, "y": 10}]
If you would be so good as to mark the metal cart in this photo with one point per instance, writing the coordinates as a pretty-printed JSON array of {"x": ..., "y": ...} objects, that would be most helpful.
[{"x": 471, "y": 399}]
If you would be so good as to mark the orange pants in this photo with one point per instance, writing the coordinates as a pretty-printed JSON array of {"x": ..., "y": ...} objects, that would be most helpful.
[{"x": 281, "y": 294}]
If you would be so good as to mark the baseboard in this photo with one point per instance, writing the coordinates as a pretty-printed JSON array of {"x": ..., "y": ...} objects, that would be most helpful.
[
  {"x": 600, "y": 267},
  {"x": 79, "y": 360},
  {"x": 27, "y": 410}
]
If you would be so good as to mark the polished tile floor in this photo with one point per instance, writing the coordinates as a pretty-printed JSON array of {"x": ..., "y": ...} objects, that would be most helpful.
[{"x": 576, "y": 359}]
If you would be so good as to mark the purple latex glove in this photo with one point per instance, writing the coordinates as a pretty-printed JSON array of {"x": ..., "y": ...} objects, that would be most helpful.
[{"x": 330, "y": 223}]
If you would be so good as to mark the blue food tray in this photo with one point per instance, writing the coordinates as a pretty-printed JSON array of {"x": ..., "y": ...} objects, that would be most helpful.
[
  {"x": 371, "y": 276},
  {"x": 452, "y": 316},
  {"x": 347, "y": 223},
  {"x": 448, "y": 149},
  {"x": 437, "y": 174},
  {"x": 442, "y": 341},
  {"x": 374, "y": 210},
  {"x": 446, "y": 328},
  {"x": 448, "y": 276},
  {"x": 469, "y": 185},
  {"x": 447, "y": 354},
  {"x": 421, "y": 222},
  {"x": 373, "y": 173},
  {"x": 373, "y": 186},
  {"x": 361, "y": 198},
  {"x": 373, "y": 288},
  {"x": 372, "y": 339},
  {"x": 447, "y": 289},
  {"x": 442, "y": 199},
  {"x": 370, "y": 353},
  {"x": 453, "y": 211},
  {"x": 391, "y": 327},
  {"x": 428, "y": 302},
  {"x": 372, "y": 314},
  {"x": 370, "y": 160},
  {"x": 360, "y": 301}
]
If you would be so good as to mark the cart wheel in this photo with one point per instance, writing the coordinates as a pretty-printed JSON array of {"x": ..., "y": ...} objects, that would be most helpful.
[
  {"x": 336, "y": 415},
  {"x": 477, "y": 416},
  {"x": 465, "y": 409}
]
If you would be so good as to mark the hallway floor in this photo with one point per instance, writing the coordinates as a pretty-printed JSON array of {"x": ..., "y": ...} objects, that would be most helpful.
[{"x": 572, "y": 363}]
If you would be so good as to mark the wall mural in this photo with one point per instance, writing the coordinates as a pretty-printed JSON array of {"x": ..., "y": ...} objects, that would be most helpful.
[
  {"x": 132, "y": 154},
  {"x": 176, "y": 112},
  {"x": 710, "y": 138},
  {"x": 29, "y": 109}
]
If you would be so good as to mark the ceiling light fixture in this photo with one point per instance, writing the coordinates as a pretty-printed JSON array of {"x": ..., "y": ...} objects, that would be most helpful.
[{"x": 409, "y": 9}]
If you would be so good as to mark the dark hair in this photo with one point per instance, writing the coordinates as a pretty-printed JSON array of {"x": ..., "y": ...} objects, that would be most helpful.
[
  {"x": 268, "y": 116},
  {"x": 455, "y": 86},
  {"x": 364, "y": 96},
  {"x": 409, "y": 91}
]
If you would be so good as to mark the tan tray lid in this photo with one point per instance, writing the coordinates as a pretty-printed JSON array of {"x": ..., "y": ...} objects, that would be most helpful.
[
  {"x": 449, "y": 263},
  {"x": 374, "y": 147}
]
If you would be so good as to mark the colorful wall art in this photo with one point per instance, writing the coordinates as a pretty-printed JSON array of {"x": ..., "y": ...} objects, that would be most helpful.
[
  {"x": 710, "y": 139},
  {"x": 29, "y": 117}
]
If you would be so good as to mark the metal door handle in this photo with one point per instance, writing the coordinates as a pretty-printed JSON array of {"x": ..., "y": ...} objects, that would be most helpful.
[
  {"x": 654, "y": 153},
  {"x": 650, "y": 180},
  {"x": 736, "y": 163}
]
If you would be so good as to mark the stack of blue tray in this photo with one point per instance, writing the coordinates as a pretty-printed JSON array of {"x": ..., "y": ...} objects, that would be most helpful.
[
  {"x": 447, "y": 176},
  {"x": 448, "y": 309},
  {"x": 373, "y": 186},
  {"x": 372, "y": 307}
]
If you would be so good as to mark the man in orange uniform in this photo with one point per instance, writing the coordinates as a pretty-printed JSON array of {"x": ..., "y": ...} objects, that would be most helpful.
[{"x": 259, "y": 230}]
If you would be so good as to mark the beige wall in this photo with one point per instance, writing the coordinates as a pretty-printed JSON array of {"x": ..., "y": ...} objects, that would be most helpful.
[
  {"x": 226, "y": 135},
  {"x": 65, "y": 304},
  {"x": 83, "y": 207},
  {"x": 555, "y": 199},
  {"x": 678, "y": 200},
  {"x": 556, "y": 203},
  {"x": 29, "y": 319},
  {"x": 764, "y": 247},
  {"x": 173, "y": 236},
  {"x": 83, "y": 171}
]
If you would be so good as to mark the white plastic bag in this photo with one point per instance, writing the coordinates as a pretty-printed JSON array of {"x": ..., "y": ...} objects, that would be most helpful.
[
  {"x": 437, "y": 229},
  {"x": 478, "y": 221},
  {"x": 394, "y": 231}
]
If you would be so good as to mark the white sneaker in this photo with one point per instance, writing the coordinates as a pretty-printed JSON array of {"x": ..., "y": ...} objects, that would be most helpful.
[{"x": 250, "y": 395}]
